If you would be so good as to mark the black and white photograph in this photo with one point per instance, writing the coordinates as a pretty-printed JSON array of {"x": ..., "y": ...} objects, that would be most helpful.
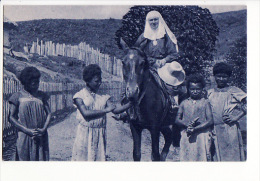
[{"x": 126, "y": 83}]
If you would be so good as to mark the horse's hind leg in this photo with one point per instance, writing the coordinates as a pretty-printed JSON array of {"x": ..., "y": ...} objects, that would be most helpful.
[
  {"x": 155, "y": 134},
  {"x": 167, "y": 134},
  {"x": 137, "y": 135}
]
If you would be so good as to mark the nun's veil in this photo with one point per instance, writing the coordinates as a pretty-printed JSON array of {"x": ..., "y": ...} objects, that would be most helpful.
[{"x": 151, "y": 34}]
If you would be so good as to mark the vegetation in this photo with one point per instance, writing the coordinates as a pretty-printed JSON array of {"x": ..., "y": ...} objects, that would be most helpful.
[
  {"x": 237, "y": 58},
  {"x": 232, "y": 26},
  {"x": 98, "y": 33}
]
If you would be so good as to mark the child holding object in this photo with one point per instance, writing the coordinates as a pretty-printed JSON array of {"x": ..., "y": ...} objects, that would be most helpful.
[
  {"x": 195, "y": 120},
  {"x": 30, "y": 114},
  {"x": 90, "y": 141},
  {"x": 228, "y": 107}
]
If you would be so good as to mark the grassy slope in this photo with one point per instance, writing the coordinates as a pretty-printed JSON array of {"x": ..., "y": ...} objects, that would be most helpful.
[
  {"x": 232, "y": 26},
  {"x": 98, "y": 33},
  {"x": 53, "y": 69}
]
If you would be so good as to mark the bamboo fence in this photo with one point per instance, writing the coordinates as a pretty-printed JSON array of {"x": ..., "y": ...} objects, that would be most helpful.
[{"x": 82, "y": 52}]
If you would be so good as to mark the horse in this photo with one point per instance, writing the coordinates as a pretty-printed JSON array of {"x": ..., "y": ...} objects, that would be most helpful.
[{"x": 151, "y": 105}]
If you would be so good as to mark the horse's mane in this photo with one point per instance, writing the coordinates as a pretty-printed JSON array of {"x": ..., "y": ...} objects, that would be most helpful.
[{"x": 142, "y": 54}]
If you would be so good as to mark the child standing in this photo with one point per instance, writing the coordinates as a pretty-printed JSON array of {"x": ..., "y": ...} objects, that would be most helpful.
[
  {"x": 90, "y": 141},
  {"x": 228, "y": 107},
  {"x": 195, "y": 120},
  {"x": 30, "y": 114}
]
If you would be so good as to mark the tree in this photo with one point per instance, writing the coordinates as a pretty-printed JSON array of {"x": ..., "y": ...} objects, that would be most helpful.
[
  {"x": 237, "y": 57},
  {"x": 194, "y": 28}
]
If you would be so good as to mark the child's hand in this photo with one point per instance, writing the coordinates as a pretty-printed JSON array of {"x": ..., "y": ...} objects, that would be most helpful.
[
  {"x": 110, "y": 108},
  {"x": 31, "y": 132},
  {"x": 132, "y": 101},
  {"x": 40, "y": 131},
  {"x": 193, "y": 123},
  {"x": 229, "y": 119},
  {"x": 190, "y": 130}
]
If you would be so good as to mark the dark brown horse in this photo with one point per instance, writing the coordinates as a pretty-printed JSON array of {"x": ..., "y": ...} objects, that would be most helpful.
[{"x": 151, "y": 104}]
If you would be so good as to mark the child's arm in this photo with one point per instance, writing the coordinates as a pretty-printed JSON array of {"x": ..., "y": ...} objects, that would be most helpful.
[
  {"x": 179, "y": 118},
  {"x": 91, "y": 114},
  {"x": 209, "y": 118},
  {"x": 41, "y": 131},
  {"x": 120, "y": 108},
  {"x": 244, "y": 105},
  {"x": 229, "y": 120},
  {"x": 179, "y": 122},
  {"x": 13, "y": 111}
]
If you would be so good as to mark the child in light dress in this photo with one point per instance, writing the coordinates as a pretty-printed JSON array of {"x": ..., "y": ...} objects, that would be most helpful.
[
  {"x": 30, "y": 114},
  {"x": 228, "y": 107},
  {"x": 195, "y": 120},
  {"x": 90, "y": 141}
]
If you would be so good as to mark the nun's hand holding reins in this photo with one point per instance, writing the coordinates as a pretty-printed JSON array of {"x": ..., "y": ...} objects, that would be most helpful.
[{"x": 160, "y": 63}]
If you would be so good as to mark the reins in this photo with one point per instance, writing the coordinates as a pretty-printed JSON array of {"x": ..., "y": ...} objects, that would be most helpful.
[
  {"x": 143, "y": 92},
  {"x": 137, "y": 106}
]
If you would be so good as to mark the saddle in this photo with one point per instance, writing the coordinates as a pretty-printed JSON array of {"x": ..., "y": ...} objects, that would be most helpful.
[{"x": 170, "y": 104}]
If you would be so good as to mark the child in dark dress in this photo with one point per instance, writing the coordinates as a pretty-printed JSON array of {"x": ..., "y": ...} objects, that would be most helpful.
[{"x": 30, "y": 114}]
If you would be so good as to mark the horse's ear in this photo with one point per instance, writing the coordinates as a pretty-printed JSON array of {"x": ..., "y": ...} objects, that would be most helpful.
[
  {"x": 123, "y": 44},
  {"x": 141, "y": 44}
]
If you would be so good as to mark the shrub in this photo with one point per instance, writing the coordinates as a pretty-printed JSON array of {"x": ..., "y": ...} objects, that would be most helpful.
[{"x": 237, "y": 57}]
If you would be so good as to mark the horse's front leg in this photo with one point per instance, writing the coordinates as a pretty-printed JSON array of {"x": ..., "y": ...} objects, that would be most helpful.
[
  {"x": 155, "y": 135},
  {"x": 167, "y": 134},
  {"x": 137, "y": 135}
]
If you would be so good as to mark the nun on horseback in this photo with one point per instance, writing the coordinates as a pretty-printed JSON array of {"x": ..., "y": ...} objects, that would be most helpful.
[
  {"x": 160, "y": 46},
  {"x": 157, "y": 41}
]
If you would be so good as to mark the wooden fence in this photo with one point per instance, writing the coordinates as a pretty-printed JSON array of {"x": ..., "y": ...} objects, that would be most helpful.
[
  {"x": 60, "y": 97},
  {"x": 82, "y": 52}
]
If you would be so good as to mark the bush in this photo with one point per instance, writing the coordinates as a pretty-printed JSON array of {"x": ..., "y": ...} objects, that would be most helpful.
[
  {"x": 194, "y": 28},
  {"x": 237, "y": 57}
]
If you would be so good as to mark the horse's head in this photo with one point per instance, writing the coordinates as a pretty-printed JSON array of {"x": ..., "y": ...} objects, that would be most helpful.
[{"x": 134, "y": 68}]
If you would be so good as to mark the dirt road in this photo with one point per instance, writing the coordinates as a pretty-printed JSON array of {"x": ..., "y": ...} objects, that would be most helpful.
[{"x": 119, "y": 141}]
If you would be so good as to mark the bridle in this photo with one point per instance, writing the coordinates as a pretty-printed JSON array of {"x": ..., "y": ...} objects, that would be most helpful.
[
  {"x": 142, "y": 93},
  {"x": 144, "y": 89}
]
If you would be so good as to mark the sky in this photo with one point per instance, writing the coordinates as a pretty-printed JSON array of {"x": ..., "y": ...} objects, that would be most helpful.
[{"x": 30, "y": 12}]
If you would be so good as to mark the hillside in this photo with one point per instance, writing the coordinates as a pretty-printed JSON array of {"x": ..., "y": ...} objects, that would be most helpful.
[
  {"x": 101, "y": 33},
  {"x": 98, "y": 33},
  {"x": 52, "y": 68},
  {"x": 232, "y": 26}
]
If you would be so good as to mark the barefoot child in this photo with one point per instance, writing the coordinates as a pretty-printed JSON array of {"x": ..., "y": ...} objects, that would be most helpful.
[
  {"x": 30, "y": 114},
  {"x": 90, "y": 141},
  {"x": 195, "y": 119},
  {"x": 228, "y": 107}
]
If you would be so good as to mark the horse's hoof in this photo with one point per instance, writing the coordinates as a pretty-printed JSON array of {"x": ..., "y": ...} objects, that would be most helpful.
[{"x": 163, "y": 156}]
